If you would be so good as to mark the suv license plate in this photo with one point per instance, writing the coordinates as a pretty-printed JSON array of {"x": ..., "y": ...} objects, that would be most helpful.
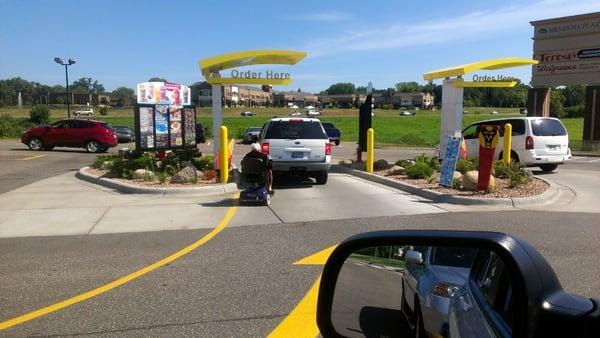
[{"x": 297, "y": 154}]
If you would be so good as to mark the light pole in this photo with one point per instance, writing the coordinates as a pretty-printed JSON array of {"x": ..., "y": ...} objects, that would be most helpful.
[{"x": 68, "y": 63}]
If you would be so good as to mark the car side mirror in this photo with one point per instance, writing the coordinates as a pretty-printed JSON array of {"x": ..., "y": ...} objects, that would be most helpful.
[
  {"x": 414, "y": 257},
  {"x": 497, "y": 278}
]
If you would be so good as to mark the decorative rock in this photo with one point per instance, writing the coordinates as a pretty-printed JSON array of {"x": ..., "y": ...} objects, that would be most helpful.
[
  {"x": 142, "y": 174},
  {"x": 124, "y": 152},
  {"x": 528, "y": 172},
  {"x": 396, "y": 170},
  {"x": 470, "y": 180},
  {"x": 347, "y": 162},
  {"x": 106, "y": 165},
  {"x": 381, "y": 164},
  {"x": 457, "y": 175},
  {"x": 185, "y": 175}
]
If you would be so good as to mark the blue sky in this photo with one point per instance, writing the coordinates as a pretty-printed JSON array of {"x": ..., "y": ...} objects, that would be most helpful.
[{"x": 121, "y": 43}]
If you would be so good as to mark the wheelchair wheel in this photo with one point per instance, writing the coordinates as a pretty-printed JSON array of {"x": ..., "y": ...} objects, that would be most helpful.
[{"x": 267, "y": 201}]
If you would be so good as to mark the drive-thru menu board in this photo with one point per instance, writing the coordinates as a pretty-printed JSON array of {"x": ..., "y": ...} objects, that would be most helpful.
[{"x": 164, "y": 119}]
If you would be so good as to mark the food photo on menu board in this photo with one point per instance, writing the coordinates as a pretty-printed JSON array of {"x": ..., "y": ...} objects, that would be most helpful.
[
  {"x": 175, "y": 119},
  {"x": 162, "y": 126},
  {"x": 189, "y": 126},
  {"x": 146, "y": 127}
]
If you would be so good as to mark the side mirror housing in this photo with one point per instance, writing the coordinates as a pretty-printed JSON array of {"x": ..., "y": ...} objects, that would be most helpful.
[
  {"x": 367, "y": 297},
  {"x": 414, "y": 257}
]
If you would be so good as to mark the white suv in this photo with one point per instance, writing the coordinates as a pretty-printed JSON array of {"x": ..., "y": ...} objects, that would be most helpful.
[
  {"x": 298, "y": 145},
  {"x": 536, "y": 141},
  {"x": 86, "y": 112}
]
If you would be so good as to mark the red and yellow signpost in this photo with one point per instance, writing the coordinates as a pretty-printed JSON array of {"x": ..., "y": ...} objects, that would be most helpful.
[{"x": 488, "y": 140}]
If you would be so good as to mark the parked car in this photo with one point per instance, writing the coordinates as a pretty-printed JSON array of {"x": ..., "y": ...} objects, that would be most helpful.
[
  {"x": 200, "y": 133},
  {"x": 124, "y": 134},
  {"x": 93, "y": 136},
  {"x": 312, "y": 113},
  {"x": 84, "y": 112},
  {"x": 405, "y": 113},
  {"x": 333, "y": 133},
  {"x": 298, "y": 145},
  {"x": 252, "y": 134},
  {"x": 296, "y": 113},
  {"x": 432, "y": 275},
  {"x": 248, "y": 113},
  {"x": 536, "y": 141}
]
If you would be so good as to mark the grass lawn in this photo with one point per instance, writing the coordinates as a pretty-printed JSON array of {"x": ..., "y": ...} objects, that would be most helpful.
[{"x": 421, "y": 129}]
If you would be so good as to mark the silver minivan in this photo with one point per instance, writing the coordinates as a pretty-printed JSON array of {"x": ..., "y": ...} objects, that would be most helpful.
[
  {"x": 536, "y": 141},
  {"x": 297, "y": 145}
]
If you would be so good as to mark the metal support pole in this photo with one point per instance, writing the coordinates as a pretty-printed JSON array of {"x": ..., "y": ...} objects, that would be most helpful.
[
  {"x": 217, "y": 109},
  {"x": 68, "y": 98}
]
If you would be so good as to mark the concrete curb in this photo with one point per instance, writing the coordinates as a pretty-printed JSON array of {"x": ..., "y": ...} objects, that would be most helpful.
[
  {"x": 133, "y": 189},
  {"x": 547, "y": 197},
  {"x": 586, "y": 154}
]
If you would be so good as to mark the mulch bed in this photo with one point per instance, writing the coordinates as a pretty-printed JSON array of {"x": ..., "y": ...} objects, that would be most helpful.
[{"x": 501, "y": 190}]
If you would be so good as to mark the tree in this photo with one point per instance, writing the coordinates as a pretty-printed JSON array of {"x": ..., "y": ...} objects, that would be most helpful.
[
  {"x": 574, "y": 95},
  {"x": 341, "y": 88},
  {"x": 125, "y": 96},
  {"x": 82, "y": 86},
  {"x": 157, "y": 79},
  {"x": 408, "y": 87},
  {"x": 361, "y": 90},
  {"x": 97, "y": 87},
  {"x": 557, "y": 102}
]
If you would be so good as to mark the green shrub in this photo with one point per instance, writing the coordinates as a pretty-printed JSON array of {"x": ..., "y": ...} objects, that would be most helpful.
[
  {"x": 403, "y": 163},
  {"x": 203, "y": 163},
  {"x": 414, "y": 140},
  {"x": 516, "y": 175},
  {"x": 574, "y": 111},
  {"x": 103, "y": 158},
  {"x": 171, "y": 164},
  {"x": 457, "y": 183},
  {"x": 162, "y": 177},
  {"x": 13, "y": 127},
  {"x": 39, "y": 114},
  {"x": 419, "y": 170},
  {"x": 433, "y": 162},
  {"x": 103, "y": 111},
  {"x": 144, "y": 161},
  {"x": 500, "y": 169},
  {"x": 463, "y": 166}
]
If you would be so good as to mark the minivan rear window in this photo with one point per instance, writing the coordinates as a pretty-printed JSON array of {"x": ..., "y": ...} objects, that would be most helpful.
[
  {"x": 295, "y": 130},
  {"x": 547, "y": 127}
]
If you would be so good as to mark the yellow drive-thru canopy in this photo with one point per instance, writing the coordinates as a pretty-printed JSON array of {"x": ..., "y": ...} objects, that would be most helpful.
[
  {"x": 490, "y": 64},
  {"x": 213, "y": 65}
]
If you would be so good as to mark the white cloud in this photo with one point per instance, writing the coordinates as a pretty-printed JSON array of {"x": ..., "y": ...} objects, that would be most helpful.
[
  {"x": 476, "y": 25},
  {"x": 328, "y": 16}
]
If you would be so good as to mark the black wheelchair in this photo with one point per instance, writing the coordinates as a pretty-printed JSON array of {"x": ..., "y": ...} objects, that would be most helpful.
[{"x": 254, "y": 180}]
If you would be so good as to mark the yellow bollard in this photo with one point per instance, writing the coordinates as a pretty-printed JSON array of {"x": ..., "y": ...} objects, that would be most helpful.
[
  {"x": 370, "y": 149},
  {"x": 507, "y": 143},
  {"x": 224, "y": 154}
]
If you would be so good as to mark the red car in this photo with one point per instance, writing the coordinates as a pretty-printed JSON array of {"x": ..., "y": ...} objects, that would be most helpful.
[{"x": 93, "y": 136}]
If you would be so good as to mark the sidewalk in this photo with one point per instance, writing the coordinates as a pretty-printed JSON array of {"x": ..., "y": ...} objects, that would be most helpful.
[{"x": 65, "y": 205}]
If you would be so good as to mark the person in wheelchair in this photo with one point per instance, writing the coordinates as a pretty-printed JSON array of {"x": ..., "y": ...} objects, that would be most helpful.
[{"x": 257, "y": 167}]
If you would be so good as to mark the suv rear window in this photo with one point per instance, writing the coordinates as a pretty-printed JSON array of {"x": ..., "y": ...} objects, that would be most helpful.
[
  {"x": 328, "y": 125},
  {"x": 295, "y": 130},
  {"x": 547, "y": 127},
  {"x": 456, "y": 257}
]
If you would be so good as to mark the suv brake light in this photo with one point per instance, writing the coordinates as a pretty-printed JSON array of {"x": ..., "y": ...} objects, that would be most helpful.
[
  {"x": 265, "y": 148},
  {"x": 529, "y": 142},
  {"x": 328, "y": 148},
  {"x": 295, "y": 120}
]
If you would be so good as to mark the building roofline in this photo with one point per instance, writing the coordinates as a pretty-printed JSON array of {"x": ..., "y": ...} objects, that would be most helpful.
[{"x": 564, "y": 18}]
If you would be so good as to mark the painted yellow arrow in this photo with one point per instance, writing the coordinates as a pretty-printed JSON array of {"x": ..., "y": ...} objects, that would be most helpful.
[{"x": 302, "y": 321}]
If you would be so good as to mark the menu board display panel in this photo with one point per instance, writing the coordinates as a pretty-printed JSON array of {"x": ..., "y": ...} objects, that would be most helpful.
[
  {"x": 175, "y": 125},
  {"x": 146, "y": 127},
  {"x": 162, "y": 126},
  {"x": 189, "y": 127}
]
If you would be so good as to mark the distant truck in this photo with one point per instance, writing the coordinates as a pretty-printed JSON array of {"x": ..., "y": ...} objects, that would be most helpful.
[{"x": 333, "y": 133}]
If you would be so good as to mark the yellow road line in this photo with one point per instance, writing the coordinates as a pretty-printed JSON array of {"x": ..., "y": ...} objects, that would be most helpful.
[
  {"x": 123, "y": 280},
  {"x": 302, "y": 321},
  {"x": 319, "y": 258},
  {"x": 31, "y": 158}
]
